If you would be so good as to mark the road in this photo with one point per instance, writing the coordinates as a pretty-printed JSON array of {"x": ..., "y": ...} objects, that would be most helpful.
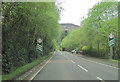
[{"x": 67, "y": 66}]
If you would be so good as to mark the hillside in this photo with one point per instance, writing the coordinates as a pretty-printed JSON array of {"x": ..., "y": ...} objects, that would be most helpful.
[{"x": 68, "y": 26}]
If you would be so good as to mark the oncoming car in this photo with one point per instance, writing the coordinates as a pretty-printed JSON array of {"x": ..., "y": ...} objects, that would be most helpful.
[{"x": 74, "y": 51}]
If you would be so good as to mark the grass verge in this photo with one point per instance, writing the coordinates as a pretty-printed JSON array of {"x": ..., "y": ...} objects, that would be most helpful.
[
  {"x": 23, "y": 68},
  {"x": 0, "y": 78},
  {"x": 117, "y": 61}
]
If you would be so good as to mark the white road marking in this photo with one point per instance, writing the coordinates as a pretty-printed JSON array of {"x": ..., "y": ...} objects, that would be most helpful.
[
  {"x": 60, "y": 52},
  {"x": 65, "y": 56},
  {"x": 83, "y": 68},
  {"x": 100, "y": 63},
  {"x": 100, "y": 79},
  {"x": 54, "y": 52},
  {"x": 44, "y": 60},
  {"x": 72, "y": 61},
  {"x": 25, "y": 75},
  {"x": 40, "y": 68}
]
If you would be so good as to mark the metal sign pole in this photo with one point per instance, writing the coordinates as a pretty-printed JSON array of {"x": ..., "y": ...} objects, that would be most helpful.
[
  {"x": 111, "y": 52},
  {"x": 42, "y": 47}
]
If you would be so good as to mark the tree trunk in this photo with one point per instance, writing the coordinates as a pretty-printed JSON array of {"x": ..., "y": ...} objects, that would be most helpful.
[{"x": 98, "y": 44}]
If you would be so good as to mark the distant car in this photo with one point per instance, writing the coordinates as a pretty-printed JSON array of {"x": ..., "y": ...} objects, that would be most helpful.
[{"x": 73, "y": 51}]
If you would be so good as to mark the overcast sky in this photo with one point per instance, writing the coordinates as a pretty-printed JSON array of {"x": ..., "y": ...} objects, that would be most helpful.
[{"x": 74, "y": 10}]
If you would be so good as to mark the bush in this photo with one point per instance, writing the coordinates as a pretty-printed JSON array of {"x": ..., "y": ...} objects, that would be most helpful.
[
  {"x": 84, "y": 48},
  {"x": 96, "y": 53}
]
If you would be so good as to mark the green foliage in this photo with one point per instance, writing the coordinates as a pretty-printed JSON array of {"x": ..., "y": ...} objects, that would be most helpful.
[
  {"x": 61, "y": 36},
  {"x": 84, "y": 48},
  {"x": 102, "y": 19},
  {"x": 23, "y": 24},
  {"x": 23, "y": 68},
  {"x": 96, "y": 53}
]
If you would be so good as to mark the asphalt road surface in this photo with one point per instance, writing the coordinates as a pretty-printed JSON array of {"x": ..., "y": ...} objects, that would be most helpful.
[{"x": 67, "y": 66}]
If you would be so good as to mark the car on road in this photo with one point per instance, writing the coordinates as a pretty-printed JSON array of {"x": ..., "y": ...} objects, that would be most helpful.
[{"x": 73, "y": 51}]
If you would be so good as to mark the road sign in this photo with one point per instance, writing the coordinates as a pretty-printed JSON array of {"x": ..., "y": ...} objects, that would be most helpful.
[
  {"x": 111, "y": 44},
  {"x": 39, "y": 40},
  {"x": 111, "y": 40},
  {"x": 39, "y": 45}
]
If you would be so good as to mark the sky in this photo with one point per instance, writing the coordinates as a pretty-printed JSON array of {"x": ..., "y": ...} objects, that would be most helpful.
[{"x": 74, "y": 10}]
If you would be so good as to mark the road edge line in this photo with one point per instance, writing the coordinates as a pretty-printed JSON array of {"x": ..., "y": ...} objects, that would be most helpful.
[
  {"x": 41, "y": 68},
  {"x": 101, "y": 63}
]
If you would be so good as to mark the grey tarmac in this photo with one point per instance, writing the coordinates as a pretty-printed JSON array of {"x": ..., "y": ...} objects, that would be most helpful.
[{"x": 67, "y": 66}]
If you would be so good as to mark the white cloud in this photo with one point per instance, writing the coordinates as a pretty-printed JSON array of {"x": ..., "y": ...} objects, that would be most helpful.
[{"x": 75, "y": 10}]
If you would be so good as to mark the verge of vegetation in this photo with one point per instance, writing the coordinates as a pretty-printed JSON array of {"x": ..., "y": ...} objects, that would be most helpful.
[
  {"x": 24, "y": 68},
  {"x": 22, "y": 25},
  {"x": 117, "y": 61},
  {"x": 92, "y": 35}
]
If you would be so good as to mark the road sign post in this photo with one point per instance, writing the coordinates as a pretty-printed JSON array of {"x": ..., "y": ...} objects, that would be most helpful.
[
  {"x": 39, "y": 45},
  {"x": 111, "y": 52},
  {"x": 111, "y": 44}
]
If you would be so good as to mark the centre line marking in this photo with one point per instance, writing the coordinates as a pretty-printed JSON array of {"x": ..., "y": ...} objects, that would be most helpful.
[
  {"x": 60, "y": 52},
  {"x": 100, "y": 79},
  {"x": 72, "y": 61},
  {"x": 83, "y": 68}
]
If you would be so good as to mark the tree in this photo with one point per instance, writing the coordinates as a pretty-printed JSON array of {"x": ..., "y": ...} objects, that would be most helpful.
[
  {"x": 102, "y": 19},
  {"x": 23, "y": 24}
]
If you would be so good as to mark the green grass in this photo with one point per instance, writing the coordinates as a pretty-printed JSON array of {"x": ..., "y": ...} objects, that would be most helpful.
[
  {"x": 23, "y": 68},
  {"x": 117, "y": 61},
  {"x": 0, "y": 78}
]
